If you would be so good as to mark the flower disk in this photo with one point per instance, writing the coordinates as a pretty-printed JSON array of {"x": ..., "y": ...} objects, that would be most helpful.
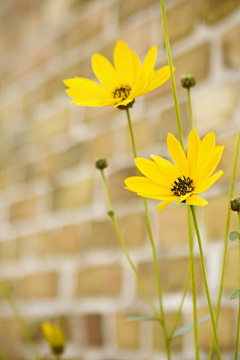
[
  {"x": 121, "y": 83},
  {"x": 182, "y": 181}
]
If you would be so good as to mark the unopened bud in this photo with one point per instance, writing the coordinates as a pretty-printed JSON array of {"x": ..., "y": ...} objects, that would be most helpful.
[
  {"x": 188, "y": 81},
  {"x": 235, "y": 204},
  {"x": 101, "y": 164}
]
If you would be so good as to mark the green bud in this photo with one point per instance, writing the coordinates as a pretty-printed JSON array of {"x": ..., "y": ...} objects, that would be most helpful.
[
  {"x": 101, "y": 164},
  {"x": 188, "y": 81},
  {"x": 235, "y": 204}
]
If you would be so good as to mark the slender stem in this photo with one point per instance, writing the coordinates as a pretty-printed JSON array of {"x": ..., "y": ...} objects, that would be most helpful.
[
  {"x": 131, "y": 133},
  {"x": 205, "y": 280},
  {"x": 174, "y": 89},
  {"x": 120, "y": 237},
  {"x": 155, "y": 262},
  {"x": 194, "y": 299},
  {"x": 238, "y": 321},
  {"x": 20, "y": 320},
  {"x": 181, "y": 303},
  {"x": 226, "y": 239},
  {"x": 190, "y": 108}
]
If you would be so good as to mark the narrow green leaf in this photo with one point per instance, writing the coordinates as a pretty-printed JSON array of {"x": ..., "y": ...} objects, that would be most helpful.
[
  {"x": 233, "y": 294},
  {"x": 189, "y": 327},
  {"x": 142, "y": 318},
  {"x": 233, "y": 356},
  {"x": 234, "y": 235}
]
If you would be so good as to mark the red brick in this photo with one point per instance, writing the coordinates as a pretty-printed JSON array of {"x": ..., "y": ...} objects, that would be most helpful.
[
  {"x": 99, "y": 281},
  {"x": 37, "y": 286},
  {"x": 23, "y": 209},
  {"x": 94, "y": 331},
  {"x": 127, "y": 332},
  {"x": 216, "y": 10},
  {"x": 128, "y": 8},
  {"x": 173, "y": 275},
  {"x": 116, "y": 185},
  {"x": 231, "y": 47}
]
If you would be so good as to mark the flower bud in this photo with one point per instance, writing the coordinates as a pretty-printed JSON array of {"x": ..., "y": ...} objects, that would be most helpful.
[
  {"x": 188, "y": 81},
  {"x": 235, "y": 204},
  {"x": 55, "y": 338},
  {"x": 101, "y": 164}
]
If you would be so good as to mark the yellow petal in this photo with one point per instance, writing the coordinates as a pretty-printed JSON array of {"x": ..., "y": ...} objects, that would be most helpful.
[
  {"x": 139, "y": 86},
  {"x": 208, "y": 164},
  {"x": 85, "y": 89},
  {"x": 159, "y": 197},
  {"x": 178, "y": 155},
  {"x": 166, "y": 168},
  {"x": 159, "y": 78},
  {"x": 163, "y": 205},
  {"x": 137, "y": 65},
  {"x": 95, "y": 103},
  {"x": 104, "y": 71},
  {"x": 141, "y": 184},
  {"x": 151, "y": 170},
  {"x": 203, "y": 186},
  {"x": 193, "y": 152},
  {"x": 196, "y": 200},
  {"x": 149, "y": 62},
  {"x": 124, "y": 63}
]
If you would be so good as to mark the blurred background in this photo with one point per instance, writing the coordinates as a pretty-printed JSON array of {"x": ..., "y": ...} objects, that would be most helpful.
[{"x": 59, "y": 254}]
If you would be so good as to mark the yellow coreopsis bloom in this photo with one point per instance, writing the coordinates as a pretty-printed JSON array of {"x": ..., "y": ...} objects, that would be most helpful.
[
  {"x": 182, "y": 181},
  {"x": 55, "y": 337},
  {"x": 121, "y": 83}
]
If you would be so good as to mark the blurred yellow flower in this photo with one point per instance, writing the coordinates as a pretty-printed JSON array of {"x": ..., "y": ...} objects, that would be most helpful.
[
  {"x": 121, "y": 83},
  {"x": 55, "y": 337},
  {"x": 190, "y": 175}
]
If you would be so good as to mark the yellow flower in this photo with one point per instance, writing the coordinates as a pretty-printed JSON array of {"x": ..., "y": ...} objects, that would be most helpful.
[
  {"x": 121, "y": 83},
  {"x": 190, "y": 175},
  {"x": 55, "y": 337}
]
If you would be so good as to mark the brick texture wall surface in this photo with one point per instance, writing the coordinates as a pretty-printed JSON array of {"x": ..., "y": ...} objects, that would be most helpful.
[{"x": 59, "y": 254}]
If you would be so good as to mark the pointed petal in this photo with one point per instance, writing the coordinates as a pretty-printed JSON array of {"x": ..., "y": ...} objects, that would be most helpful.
[
  {"x": 159, "y": 78},
  {"x": 94, "y": 102},
  {"x": 141, "y": 184},
  {"x": 82, "y": 88},
  {"x": 149, "y": 62},
  {"x": 124, "y": 63},
  {"x": 203, "y": 186},
  {"x": 104, "y": 71},
  {"x": 137, "y": 65},
  {"x": 178, "y": 155},
  {"x": 196, "y": 200},
  {"x": 163, "y": 205},
  {"x": 166, "y": 168},
  {"x": 139, "y": 86},
  {"x": 151, "y": 170},
  {"x": 193, "y": 152},
  {"x": 158, "y": 197},
  {"x": 208, "y": 164}
]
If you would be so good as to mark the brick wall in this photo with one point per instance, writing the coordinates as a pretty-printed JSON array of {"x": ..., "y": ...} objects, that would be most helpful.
[{"x": 58, "y": 250}]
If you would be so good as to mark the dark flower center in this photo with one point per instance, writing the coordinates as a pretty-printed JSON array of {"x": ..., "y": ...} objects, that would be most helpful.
[
  {"x": 182, "y": 186},
  {"x": 122, "y": 92}
]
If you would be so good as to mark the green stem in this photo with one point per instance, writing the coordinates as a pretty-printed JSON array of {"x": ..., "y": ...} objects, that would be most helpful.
[
  {"x": 226, "y": 239},
  {"x": 194, "y": 299},
  {"x": 238, "y": 321},
  {"x": 190, "y": 108},
  {"x": 120, "y": 237},
  {"x": 174, "y": 89},
  {"x": 155, "y": 262},
  {"x": 20, "y": 320},
  {"x": 205, "y": 280}
]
